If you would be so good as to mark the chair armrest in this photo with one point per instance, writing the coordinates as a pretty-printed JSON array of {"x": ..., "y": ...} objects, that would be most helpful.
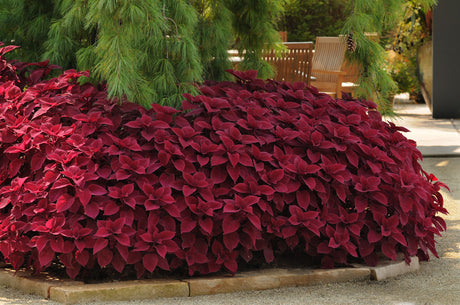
[{"x": 328, "y": 72}]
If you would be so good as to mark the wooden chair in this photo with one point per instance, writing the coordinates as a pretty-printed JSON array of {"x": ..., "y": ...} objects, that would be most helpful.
[
  {"x": 327, "y": 61},
  {"x": 292, "y": 64}
]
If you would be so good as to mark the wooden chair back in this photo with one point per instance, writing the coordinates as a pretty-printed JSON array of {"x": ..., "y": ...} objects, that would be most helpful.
[
  {"x": 327, "y": 64},
  {"x": 292, "y": 64}
]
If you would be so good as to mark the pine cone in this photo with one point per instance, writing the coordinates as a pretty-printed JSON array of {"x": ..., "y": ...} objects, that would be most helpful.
[{"x": 351, "y": 43}]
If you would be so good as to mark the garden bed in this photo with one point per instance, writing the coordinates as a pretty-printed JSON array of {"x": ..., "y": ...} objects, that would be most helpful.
[{"x": 247, "y": 171}]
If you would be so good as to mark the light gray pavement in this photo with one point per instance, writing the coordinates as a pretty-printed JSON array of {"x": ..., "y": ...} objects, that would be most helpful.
[
  {"x": 434, "y": 137},
  {"x": 436, "y": 283}
]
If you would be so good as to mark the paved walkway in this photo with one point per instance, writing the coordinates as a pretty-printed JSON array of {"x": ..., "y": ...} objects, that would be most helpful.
[
  {"x": 434, "y": 137},
  {"x": 437, "y": 281}
]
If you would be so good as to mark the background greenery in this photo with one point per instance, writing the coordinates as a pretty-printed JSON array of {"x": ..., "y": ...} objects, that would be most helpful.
[
  {"x": 154, "y": 51},
  {"x": 304, "y": 20},
  {"x": 145, "y": 51}
]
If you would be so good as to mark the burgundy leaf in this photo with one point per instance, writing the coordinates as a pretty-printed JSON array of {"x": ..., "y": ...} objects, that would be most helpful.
[
  {"x": 230, "y": 225},
  {"x": 64, "y": 203},
  {"x": 100, "y": 244},
  {"x": 231, "y": 240},
  {"x": 104, "y": 257},
  {"x": 150, "y": 261},
  {"x": 46, "y": 256}
]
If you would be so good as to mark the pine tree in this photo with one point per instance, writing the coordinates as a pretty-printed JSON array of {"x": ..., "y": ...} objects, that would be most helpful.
[
  {"x": 214, "y": 37},
  {"x": 26, "y": 23},
  {"x": 145, "y": 51},
  {"x": 175, "y": 64},
  {"x": 254, "y": 26},
  {"x": 304, "y": 20},
  {"x": 378, "y": 16}
]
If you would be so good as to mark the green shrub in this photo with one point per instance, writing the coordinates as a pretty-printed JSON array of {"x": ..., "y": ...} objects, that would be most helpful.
[{"x": 306, "y": 19}]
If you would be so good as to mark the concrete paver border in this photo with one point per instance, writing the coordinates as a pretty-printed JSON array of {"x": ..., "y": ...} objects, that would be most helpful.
[{"x": 71, "y": 292}]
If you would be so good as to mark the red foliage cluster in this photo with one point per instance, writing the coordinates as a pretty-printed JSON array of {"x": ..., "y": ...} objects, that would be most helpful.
[{"x": 246, "y": 168}]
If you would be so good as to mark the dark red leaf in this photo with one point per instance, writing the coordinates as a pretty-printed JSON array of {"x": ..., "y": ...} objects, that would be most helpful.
[
  {"x": 104, "y": 257},
  {"x": 230, "y": 225},
  {"x": 231, "y": 240},
  {"x": 46, "y": 256},
  {"x": 150, "y": 261}
]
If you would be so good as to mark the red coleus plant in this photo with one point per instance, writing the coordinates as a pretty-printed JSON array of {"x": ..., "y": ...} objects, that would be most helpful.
[{"x": 248, "y": 169}]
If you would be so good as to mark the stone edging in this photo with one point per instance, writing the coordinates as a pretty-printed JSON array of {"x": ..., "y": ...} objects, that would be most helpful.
[{"x": 71, "y": 292}]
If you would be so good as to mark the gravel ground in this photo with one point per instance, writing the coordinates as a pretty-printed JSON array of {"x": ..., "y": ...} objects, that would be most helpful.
[{"x": 437, "y": 281}]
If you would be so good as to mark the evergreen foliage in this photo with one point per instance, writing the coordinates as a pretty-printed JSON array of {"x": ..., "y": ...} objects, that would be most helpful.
[
  {"x": 304, "y": 20},
  {"x": 145, "y": 51},
  {"x": 176, "y": 63},
  {"x": 378, "y": 16},
  {"x": 214, "y": 37},
  {"x": 26, "y": 23},
  {"x": 254, "y": 26}
]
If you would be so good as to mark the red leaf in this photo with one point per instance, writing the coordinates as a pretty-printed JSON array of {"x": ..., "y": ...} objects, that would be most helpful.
[
  {"x": 406, "y": 203},
  {"x": 255, "y": 220},
  {"x": 380, "y": 197},
  {"x": 231, "y": 240},
  {"x": 361, "y": 204},
  {"x": 188, "y": 190},
  {"x": 324, "y": 248},
  {"x": 268, "y": 254},
  {"x": 231, "y": 265},
  {"x": 118, "y": 263},
  {"x": 388, "y": 248},
  {"x": 187, "y": 225},
  {"x": 218, "y": 174},
  {"x": 72, "y": 271},
  {"x": 365, "y": 248},
  {"x": 179, "y": 165},
  {"x": 234, "y": 158},
  {"x": 100, "y": 244},
  {"x": 37, "y": 161},
  {"x": 57, "y": 244},
  {"x": 92, "y": 210},
  {"x": 202, "y": 160},
  {"x": 64, "y": 203},
  {"x": 111, "y": 208},
  {"x": 84, "y": 196},
  {"x": 303, "y": 199},
  {"x": 373, "y": 236},
  {"x": 172, "y": 210},
  {"x": 95, "y": 189},
  {"x": 234, "y": 172},
  {"x": 61, "y": 183},
  {"x": 399, "y": 238},
  {"x": 241, "y": 188},
  {"x": 123, "y": 239},
  {"x": 218, "y": 160},
  {"x": 104, "y": 257},
  {"x": 368, "y": 184},
  {"x": 82, "y": 257},
  {"x": 275, "y": 176},
  {"x": 230, "y": 225},
  {"x": 266, "y": 190},
  {"x": 46, "y": 256},
  {"x": 150, "y": 261},
  {"x": 206, "y": 225},
  {"x": 351, "y": 248}
]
